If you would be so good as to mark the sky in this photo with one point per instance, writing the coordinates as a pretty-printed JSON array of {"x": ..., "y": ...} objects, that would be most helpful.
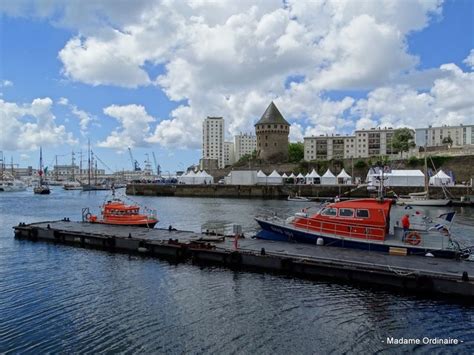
[{"x": 144, "y": 74}]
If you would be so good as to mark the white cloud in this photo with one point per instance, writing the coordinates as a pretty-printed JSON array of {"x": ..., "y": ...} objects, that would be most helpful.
[
  {"x": 232, "y": 58},
  {"x": 296, "y": 133},
  {"x": 449, "y": 101},
  {"x": 134, "y": 127},
  {"x": 85, "y": 118},
  {"x": 5, "y": 83},
  {"x": 470, "y": 59},
  {"x": 97, "y": 63},
  {"x": 27, "y": 126}
]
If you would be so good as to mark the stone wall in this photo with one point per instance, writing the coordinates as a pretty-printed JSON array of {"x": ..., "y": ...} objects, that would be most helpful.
[
  {"x": 275, "y": 191},
  {"x": 462, "y": 167}
]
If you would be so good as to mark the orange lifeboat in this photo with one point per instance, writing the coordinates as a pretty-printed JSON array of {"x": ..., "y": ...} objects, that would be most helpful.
[{"x": 116, "y": 212}]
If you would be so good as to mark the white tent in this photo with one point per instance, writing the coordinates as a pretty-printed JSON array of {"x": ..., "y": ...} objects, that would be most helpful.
[
  {"x": 397, "y": 178},
  {"x": 313, "y": 178},
  {"x": 188, "y": 178},
  {"x": 300, "y": 179},
  {"x": 344, "y": 178},
  {"x": 208, "y": 179},
  {"x": 441, "y": 178},
  {"x": 261, "y": 177},
  {"x": 328, "y": 178},
  {"x": 243, "y": 177},
  {"x": 274, "y": 178},
  {"x": 284, "y": 176}
]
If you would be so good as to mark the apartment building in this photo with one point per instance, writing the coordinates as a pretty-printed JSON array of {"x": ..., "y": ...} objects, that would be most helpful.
[
  {"x": 433, "y": 136},
  {"x": 326, "y": 147},
  {"x": 374, "y": 142},
  {"x": 364, "y": 143},
  {"x": 244, "y": 144},
  {"x": 213, "y": 140},
  {"x": 229, "y": 155}
]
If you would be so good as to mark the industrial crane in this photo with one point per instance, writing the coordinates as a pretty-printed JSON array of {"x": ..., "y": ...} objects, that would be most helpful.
[{"x": 135, "y": 165}]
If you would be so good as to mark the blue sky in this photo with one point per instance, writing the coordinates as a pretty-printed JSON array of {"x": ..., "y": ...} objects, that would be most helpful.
[{"x": 152, "y": 73}]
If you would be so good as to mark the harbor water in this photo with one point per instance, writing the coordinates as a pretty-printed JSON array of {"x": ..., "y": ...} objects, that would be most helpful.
[{"x": 56, "y": 298}]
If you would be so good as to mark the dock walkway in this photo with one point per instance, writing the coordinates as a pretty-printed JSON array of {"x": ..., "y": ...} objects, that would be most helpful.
[{"x": 419, "y": 274}]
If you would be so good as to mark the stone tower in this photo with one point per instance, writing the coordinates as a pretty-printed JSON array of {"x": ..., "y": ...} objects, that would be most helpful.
[{"x": 272, "y": 132}]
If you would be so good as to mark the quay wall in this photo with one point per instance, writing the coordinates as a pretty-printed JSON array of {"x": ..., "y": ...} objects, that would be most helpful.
[{"x": 276, "y": 191}]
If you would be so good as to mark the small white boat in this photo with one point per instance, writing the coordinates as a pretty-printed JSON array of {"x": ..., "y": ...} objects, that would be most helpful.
[
  {"x": 12, "y": 186},
  {"x": 422, "y": 199},
  {"x": 72, "y": 186},
  {"x": 297, "y": 198}
]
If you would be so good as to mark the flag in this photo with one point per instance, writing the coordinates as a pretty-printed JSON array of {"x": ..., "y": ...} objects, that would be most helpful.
[
  {"x": 438, "y": 227},
  {"x": 447, "y": 216}
]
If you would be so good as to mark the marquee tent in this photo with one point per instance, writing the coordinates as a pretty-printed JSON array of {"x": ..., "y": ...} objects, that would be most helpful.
[
  {"x": 344, "y": 178},
  {"x": 328, "y": 178},
  {"x": 313, "y": 178},
  {"x": 261, "y": 177},
  {"x": 441, "y": 178},
  {"x": 274, "y": 178}
]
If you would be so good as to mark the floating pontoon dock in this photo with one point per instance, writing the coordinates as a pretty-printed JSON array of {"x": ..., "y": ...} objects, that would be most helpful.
[{"x": 412, "y": 273}]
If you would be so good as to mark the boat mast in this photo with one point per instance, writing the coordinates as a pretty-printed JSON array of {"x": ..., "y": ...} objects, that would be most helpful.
[
  {"x": 41, "y": 167},
  {"x": 80, "y": 166},
  {"x": 2, "y": 166},
  {"x": 89, "y": 162},
  {"x": 426, "y": 177},
  {"x": 56, "y": 169},
  {"x": 72, "y": 165}
]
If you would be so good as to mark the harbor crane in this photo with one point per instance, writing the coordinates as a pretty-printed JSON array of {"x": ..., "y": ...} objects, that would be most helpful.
[
  {"x": 135, "y": 165},
  {"x": 157, "y": 166}
]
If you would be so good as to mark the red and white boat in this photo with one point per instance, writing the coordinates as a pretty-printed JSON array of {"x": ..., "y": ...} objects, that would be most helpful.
[
  {"x": 116, "y": 212},
  {"x": 363, "y": 224}
]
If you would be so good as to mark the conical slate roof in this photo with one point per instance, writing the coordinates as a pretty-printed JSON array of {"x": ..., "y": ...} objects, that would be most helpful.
[{"x": 271, "y": 116}]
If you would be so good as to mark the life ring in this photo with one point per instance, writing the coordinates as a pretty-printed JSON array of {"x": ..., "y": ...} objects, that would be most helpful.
[
  {"x": 413, "y": 238},
  {"x": 88, "y": 216}
]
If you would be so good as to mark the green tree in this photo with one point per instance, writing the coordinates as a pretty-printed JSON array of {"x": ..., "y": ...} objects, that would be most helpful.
[
  {"x": 295, "y": 152},
  {"x": 360, "y": 164},
  {"x": 402, "y": 140}
]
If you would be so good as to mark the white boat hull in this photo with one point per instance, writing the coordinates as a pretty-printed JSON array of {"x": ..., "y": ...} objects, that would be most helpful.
[
  {"x": 14, "y": 186},
  {"x": 420, "y": 202}
]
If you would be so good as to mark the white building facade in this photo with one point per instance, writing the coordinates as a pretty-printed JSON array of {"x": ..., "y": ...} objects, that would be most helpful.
[
  {"x": 433, "y": 136},
  {"x": 244, "y": 144},
  {"x": 363, "y": 144},
  {"x": 213, "y": 140},
  {"x": 329, "y": 147},
  {"x": 229, "y": 156}
]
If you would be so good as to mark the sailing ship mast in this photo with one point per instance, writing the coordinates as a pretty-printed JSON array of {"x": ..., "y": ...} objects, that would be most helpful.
[
  {"x": 426, "y": 177},
  {"x": 41, "y": 167},
  {"x": 72, "y": 165},
  {"x": 89, "y": 162}
]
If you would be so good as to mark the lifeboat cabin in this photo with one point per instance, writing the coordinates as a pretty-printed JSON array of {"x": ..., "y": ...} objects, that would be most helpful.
[
  {"x": 367, "y": 219},
  {"x": 118, "y": 213}
]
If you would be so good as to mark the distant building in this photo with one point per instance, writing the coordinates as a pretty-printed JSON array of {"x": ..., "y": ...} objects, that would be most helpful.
[
  {"x": 65, "y": 172},
  {"x": 244, "y": 144},
  {"x": 374, "y": 142},
  {"x": 213, "y": 140},
  {"x": 433, "y": 136},
  {"x": 272, "y": 132},
  {"x": 329, "y": 147},
  {"x": 363, "y": 144},
  {"x": 229, "y": 155}
]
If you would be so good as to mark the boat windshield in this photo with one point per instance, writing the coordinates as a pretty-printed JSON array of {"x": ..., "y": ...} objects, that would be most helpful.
[{"x": 329, "y": 211}]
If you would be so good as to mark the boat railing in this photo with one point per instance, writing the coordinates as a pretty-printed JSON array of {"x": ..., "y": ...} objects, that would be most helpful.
[{"x": 372, "y": 233}]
